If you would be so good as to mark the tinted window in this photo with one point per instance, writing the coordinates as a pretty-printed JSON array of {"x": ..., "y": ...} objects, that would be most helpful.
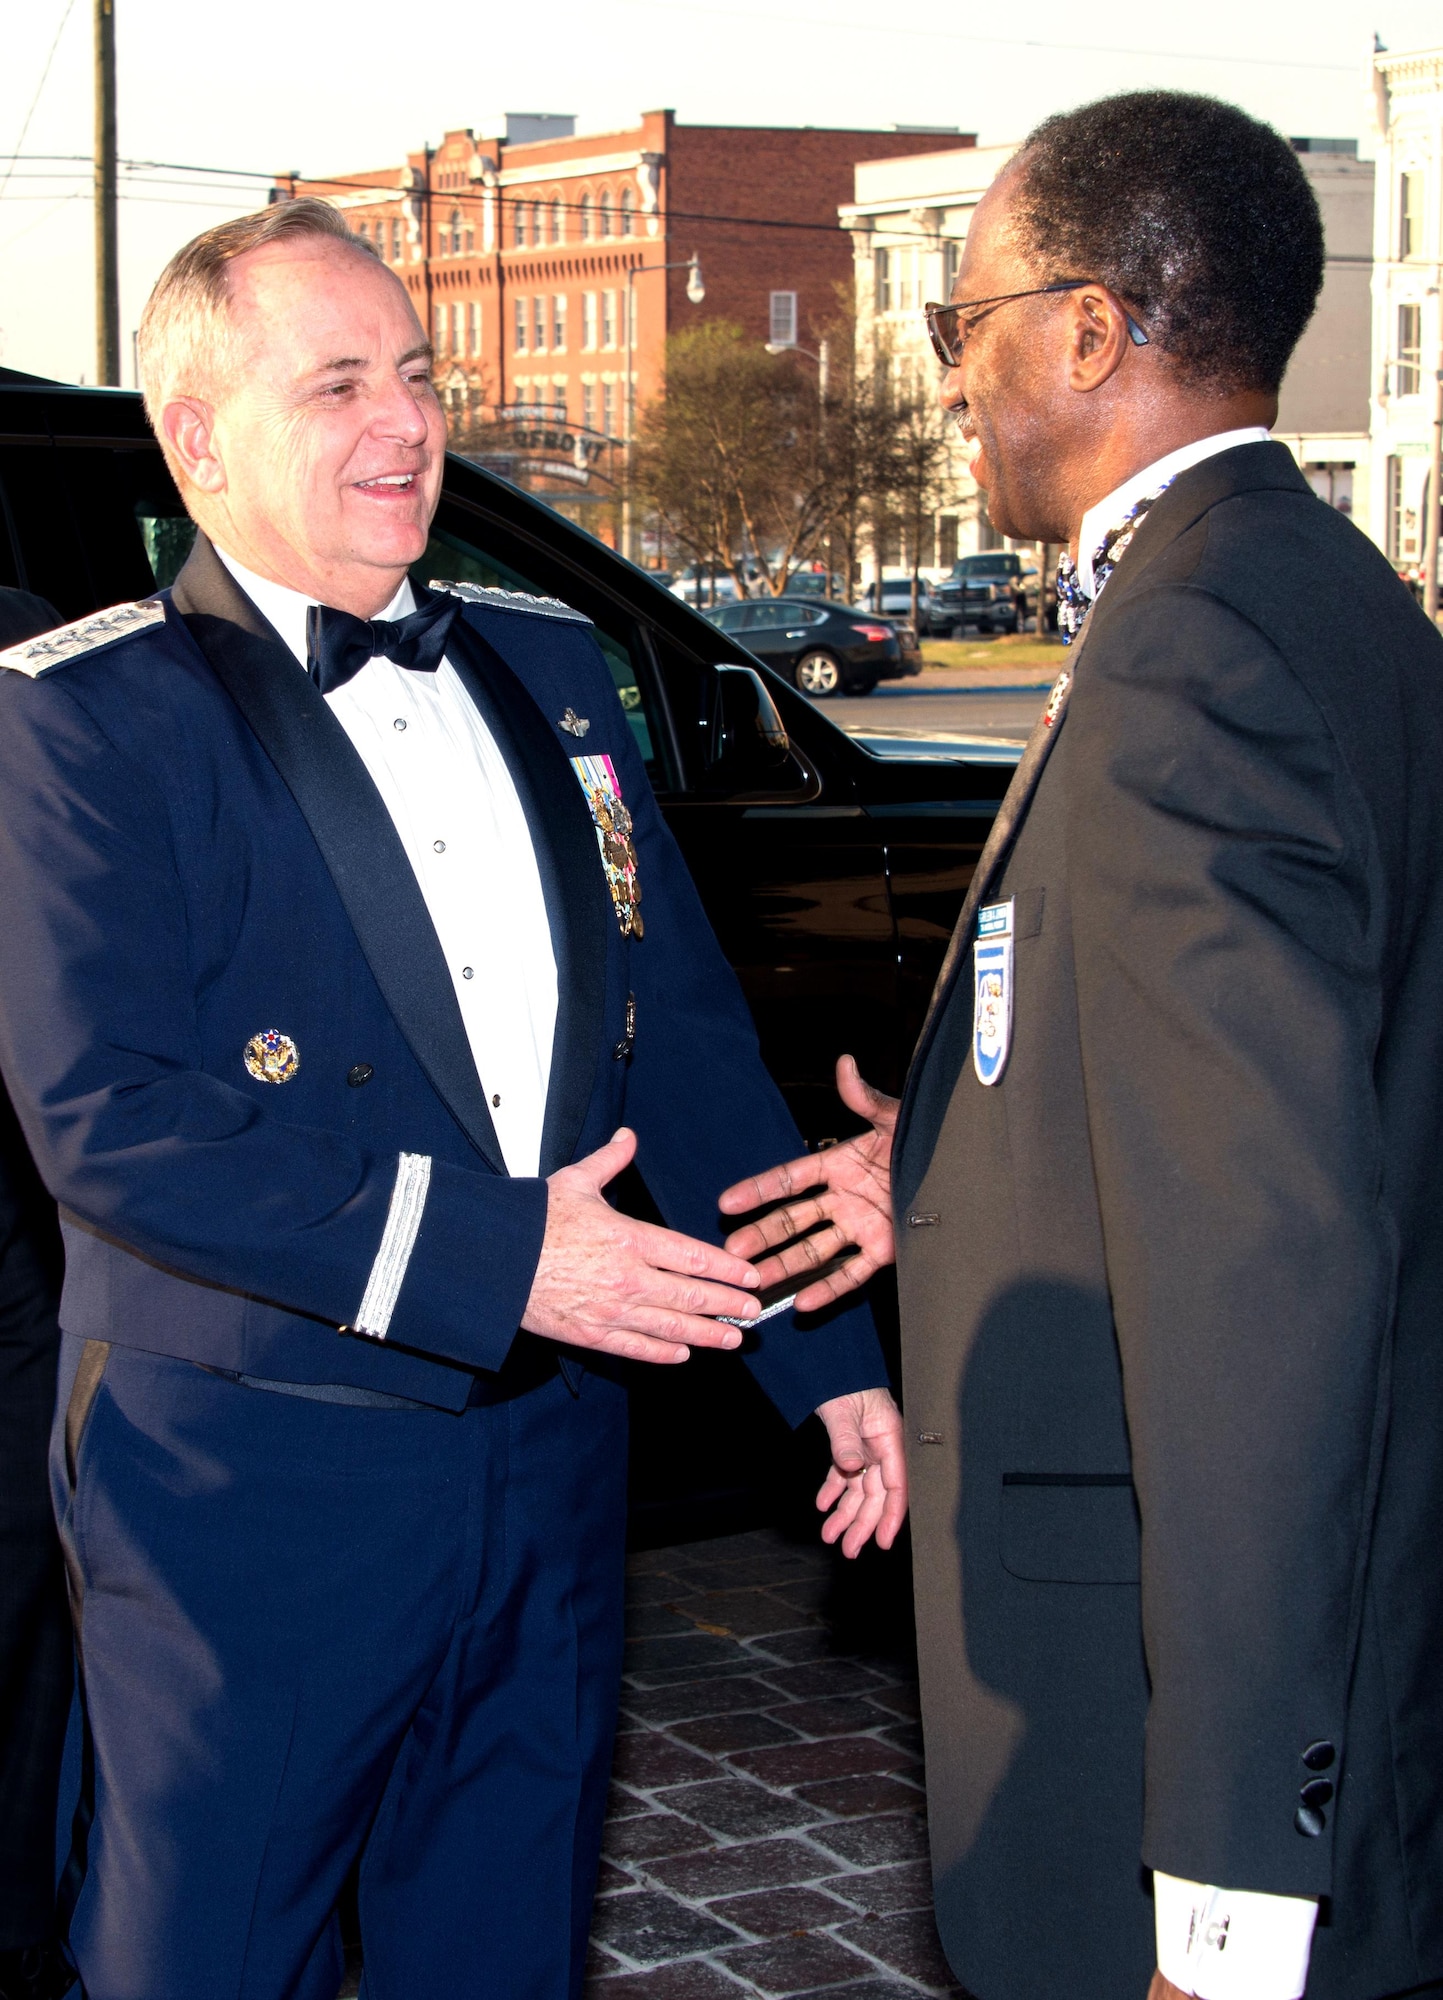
[
  {"x": 775, "y": 617},
  {"x": 90, "y": 525},
  {"x": 456, "y": 558},
  {"x": 996, "y": 564}
]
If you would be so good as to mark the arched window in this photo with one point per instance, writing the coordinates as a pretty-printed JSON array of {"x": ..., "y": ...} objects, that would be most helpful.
[
  {"x": 558, "y": 223},
  {"x": 455, "y": 232},
  {"x": 586, "y": 218},
  {"x": 536, "y": 223},
  {"x": 604, "y": 216},
  {"x": 519, "y": 236},
  {"x": 363, "y": 232},
  {"x": 626, "y": 212}
]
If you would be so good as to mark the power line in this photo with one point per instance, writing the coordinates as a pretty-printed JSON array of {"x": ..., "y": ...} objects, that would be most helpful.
[{"x": 44, "y": 74}]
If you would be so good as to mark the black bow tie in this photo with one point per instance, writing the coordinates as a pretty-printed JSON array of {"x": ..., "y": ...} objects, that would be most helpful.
[{"x": 338, "y": 645}]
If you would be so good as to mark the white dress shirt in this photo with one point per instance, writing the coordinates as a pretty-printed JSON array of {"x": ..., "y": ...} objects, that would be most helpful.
[
  {"x": 1098, "y": 520},
  {"x": 460, "y": 820},
  {"x": 1220, "y": 1944}
]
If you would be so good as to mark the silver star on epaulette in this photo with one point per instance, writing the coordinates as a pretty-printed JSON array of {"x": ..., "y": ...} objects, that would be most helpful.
[{"x": 574, "y": 724}]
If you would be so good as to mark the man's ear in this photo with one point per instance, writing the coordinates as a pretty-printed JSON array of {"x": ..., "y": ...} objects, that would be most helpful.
[
  {"x": 188, "y": 428},
  {"x": 1100, "y": 339}
]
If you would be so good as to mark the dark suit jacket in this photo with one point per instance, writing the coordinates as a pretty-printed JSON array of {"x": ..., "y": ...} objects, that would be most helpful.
[
  {"x": 1183, "y": 1269},
  {"x": 192, "y": 853}
]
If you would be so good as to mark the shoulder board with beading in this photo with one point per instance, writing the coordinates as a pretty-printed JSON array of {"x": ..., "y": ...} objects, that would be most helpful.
[
  {"x": 512, "y": 600},
  {"x": 87, "y": 635}
]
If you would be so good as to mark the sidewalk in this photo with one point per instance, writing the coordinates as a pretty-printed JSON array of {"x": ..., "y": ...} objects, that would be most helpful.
[{"x": 767, "y": 1829}]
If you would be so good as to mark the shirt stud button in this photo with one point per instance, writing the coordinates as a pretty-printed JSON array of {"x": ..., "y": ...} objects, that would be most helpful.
[
  {"x": 1318, "y": 1756},
  {"x": 467, "y": 973},
  {"x": 496, "y": 1101},
  {"x": 360, "y": 1073},
  {"x": 399, "y": 723},
  {"x": 1309, "y": 1821},
  {"x": 439, "y": 845},
  {"x": 1317, "y": 1792}
]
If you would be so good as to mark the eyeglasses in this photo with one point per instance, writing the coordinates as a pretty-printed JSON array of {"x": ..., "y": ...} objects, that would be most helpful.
[{"x": 950, "y": 327}]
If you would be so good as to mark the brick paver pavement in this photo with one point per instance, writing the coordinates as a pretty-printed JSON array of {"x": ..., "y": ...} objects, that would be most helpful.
[{"x": 767, "y": 1829}]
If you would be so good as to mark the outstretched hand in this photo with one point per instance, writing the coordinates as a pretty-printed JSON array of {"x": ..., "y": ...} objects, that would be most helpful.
[
  {"x": 866, "y": 1488},
  {"x": 847, "y": 1188},
  {"x": 607, "y": 1282}
]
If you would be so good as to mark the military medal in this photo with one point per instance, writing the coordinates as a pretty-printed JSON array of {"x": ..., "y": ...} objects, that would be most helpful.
[
  {"x": 992, "y": 1004},
  {"x": 272, "y": 1057},
  {"x": 613, "y": 836}
]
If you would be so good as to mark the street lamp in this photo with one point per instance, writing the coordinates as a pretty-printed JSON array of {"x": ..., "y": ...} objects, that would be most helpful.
[
  {"x": 696, "y": 292},
  {"x": 820, "y": 357}
]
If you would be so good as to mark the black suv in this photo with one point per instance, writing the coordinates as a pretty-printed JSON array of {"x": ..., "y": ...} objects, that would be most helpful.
[
  {"x": 994, "y": 591},
  {"x": 822, "y": 648},
  {"x": 832, "y": 873}
]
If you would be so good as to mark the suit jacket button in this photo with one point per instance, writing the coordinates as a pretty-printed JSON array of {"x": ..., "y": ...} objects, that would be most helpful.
[
  {"x": 1318, "y": 1793},
  {"x": 1308, "y": 1820},
  {"x": 359, "y": 1074},
  {"x": 1319, "y": 1756}
]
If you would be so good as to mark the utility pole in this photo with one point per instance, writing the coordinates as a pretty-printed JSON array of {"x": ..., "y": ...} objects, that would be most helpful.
[{"x": 107, "y": 240}]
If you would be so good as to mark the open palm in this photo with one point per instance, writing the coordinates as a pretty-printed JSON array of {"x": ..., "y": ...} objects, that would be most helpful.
[{"x": 843, "y": 1196}]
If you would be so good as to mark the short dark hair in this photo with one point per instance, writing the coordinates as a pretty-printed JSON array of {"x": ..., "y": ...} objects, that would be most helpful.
[{"x": 1199, "y": 217}]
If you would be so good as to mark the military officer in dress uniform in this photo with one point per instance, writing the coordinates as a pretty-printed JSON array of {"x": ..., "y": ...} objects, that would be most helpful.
[
  {"x": 1166, "y": 1184},
  {"x": 322, "y": 1009}
]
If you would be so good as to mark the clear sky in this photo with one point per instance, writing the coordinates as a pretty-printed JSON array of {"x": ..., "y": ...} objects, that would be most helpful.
[{"x": 324, "y": 88}]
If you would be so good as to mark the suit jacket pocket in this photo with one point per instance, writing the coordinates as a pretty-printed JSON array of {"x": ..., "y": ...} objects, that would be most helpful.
[{"x": 1070, "y": 1527}]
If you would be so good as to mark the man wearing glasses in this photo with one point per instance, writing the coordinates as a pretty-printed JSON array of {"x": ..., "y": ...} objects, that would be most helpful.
[{"x": 1165, "y": 1185}]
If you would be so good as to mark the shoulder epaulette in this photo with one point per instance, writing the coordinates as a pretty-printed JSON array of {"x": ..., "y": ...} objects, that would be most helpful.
[
  {"x": 512, "y": 600},
  {"x": 87, "y": 635}
]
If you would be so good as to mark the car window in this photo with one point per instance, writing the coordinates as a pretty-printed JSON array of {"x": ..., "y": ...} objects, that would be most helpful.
[
  {"x": 91, "y": 525},
  {"x": 455, "y": 558},
  {"x": 728, "y": 617},
  {"x": 775, "y": 617}
]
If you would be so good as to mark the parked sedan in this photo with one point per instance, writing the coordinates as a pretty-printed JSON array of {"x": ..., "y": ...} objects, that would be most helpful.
[
  {"x": 822, "y": 648},
  {"x": 897, "y": 602}
]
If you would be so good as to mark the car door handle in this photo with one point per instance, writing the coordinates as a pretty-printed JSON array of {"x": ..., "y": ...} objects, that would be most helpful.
[{"x": 796, "y": 635}]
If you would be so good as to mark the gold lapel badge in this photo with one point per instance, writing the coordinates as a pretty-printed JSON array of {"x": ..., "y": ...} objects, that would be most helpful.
[{"x": 272, "y": 1057}]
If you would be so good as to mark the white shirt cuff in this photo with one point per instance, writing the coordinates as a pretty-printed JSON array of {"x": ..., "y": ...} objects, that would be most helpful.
[{"x": 1232, "y": 1944}]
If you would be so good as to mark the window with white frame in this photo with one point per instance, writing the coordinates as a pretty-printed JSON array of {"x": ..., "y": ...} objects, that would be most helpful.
[
  {"x": 1410, "y": 214},
  {"x": 608, "y": 408},
  {"x": 453, "y": 241},
  {"x": 1408, "y": 374},
  {"x": 538, "y": 324},
  {"x": 584, "y": 210},
  {"x": 589, "y": 302},
  {"x": 558, "y": 220},
  {"x": 518, "y": 230},
  {"x": 439, "y": 336},
  {"x": 363, "y": 232},
  {"x": 558, "y": 400},
  {"x": 603, "y": 216},
  {"x": 475, "y": 313},
  {"x": 898, "y": 279},
  {"x": 395, "y": 239},
  {"x": 608, "y": 319},
  {"x": 458, "y": 328},
  {"x": 588, "y": 406},
  {"x": 628, "y": 207},
  {"x": 783, "y": 319},
  {"x": 558, "y": 322},
  {"x": 520, "y": 312},
  {"x": 951, "y": 259}
]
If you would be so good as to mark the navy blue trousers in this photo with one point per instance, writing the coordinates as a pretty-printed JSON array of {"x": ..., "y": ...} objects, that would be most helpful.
[{"x": 310, "y": 1632}]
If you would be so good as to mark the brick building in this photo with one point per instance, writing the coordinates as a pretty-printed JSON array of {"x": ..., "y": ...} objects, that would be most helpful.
[{"x": 524, "y": 248}]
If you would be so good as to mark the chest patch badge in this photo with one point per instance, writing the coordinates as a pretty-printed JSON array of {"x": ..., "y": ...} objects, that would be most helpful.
[
  {"x": 612, "y": 821},
  {"x": 992, "y": 1002},
  {"x": 272, "y": 1057}
]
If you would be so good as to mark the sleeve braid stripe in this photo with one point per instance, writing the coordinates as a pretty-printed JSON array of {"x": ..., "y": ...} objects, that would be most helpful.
[{"x": 398, "y": 1240}]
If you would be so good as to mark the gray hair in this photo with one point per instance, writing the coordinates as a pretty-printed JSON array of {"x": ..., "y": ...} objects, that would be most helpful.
[{"x": 187, "y": 335}]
